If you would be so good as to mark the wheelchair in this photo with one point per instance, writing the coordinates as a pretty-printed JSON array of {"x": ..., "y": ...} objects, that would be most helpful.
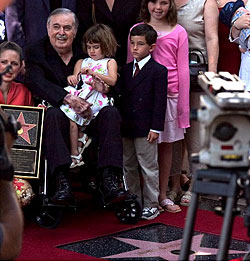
[
  {"x": 47, "y": 214},
  {"x": 128, "y": 211}
]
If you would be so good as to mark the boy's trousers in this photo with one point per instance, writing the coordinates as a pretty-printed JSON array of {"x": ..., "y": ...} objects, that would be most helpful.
[{"x": 140, "y": 156}]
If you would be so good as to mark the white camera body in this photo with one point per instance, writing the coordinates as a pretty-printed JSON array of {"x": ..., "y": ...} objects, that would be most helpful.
[{"x": 224, "y": 116}]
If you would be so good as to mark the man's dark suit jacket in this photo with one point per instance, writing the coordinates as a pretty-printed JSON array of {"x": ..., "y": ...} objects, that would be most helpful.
[
  {"x": 46, "y": 73},
  {"x": 143, "y": 99},
  {"x": 26, "y": 20},
  {"x": 124, "y": 14}
]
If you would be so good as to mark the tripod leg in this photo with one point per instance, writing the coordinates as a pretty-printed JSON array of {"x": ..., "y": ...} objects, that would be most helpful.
[
  {"x": 226, "y": 229},
  {"x": 188, "y": 230}
]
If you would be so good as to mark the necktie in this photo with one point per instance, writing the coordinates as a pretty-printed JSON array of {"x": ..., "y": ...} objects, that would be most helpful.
[{"x": 137, "y": 69}]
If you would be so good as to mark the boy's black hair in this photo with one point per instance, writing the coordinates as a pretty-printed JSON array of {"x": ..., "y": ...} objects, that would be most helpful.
[{"x": 145, "y": 30}]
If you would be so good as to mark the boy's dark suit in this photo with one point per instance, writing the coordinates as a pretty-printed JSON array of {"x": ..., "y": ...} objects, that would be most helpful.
[
  {"x": 143, "y": 107},
  {"x": 143, "y": 99}
]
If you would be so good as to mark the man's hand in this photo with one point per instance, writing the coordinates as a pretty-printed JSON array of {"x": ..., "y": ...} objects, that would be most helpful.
[
  {"x": 152, "y": 136},
  {"x": 98, "y": 84},
  {"x": 79, "y": 105}
]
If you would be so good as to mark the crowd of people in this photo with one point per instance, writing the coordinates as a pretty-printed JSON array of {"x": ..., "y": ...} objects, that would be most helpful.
[{"x": 118, "y": 72}]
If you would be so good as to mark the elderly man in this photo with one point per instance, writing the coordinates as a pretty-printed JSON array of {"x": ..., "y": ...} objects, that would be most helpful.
[
  {"x": 48, "y": 63},
  {"x": 26, "y": 20}
]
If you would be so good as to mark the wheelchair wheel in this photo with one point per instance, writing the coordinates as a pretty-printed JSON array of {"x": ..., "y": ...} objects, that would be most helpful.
[
  {"x": 49, "y": 217},
  {"x": 129, "y": 211}
]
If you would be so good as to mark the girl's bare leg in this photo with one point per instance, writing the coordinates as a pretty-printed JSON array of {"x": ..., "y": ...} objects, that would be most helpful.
[
  {"x": 73, "y": 138},
  {"x": 165, "y": 161}
]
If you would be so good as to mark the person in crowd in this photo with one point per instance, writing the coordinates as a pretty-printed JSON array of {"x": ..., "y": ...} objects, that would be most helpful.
[
  {"x": 11, "y": 218},
  {"x": 100, "y": 45},
  {"x": 2, "y": 27},
  {"x": 143, "y": 89},
  {"x": 48, "y": 64},
  {"x": 172, "y": 52},
  {"x": 120, "y": 15},
  {"x": 4, "y": 4},
  {"x": 243, "y": 22},
  {"x": 229, "y": 14},
  {"x": 200, "y": 19},
  {"x": 11, "y": 92},
  {"x": 227, "y": 63},
  {"x": 26, "y": 20}
]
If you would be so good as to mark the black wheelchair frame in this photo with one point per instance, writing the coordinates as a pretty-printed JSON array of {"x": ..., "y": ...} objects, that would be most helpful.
[{"x": 127, "y": 211}]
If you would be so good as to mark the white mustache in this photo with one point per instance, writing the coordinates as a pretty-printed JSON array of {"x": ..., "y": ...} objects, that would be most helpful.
[{"x": 61, "y": 37}]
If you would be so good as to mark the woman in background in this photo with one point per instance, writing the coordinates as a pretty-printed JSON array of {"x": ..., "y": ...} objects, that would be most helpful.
[
  {"x": 227, "y": 63},
  {"x": 11, "y": 92},
  {"x": 120, "y": 15},
  {"x": 200, "y": 19}
]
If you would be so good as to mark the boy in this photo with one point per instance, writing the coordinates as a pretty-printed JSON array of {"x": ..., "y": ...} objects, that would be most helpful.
[{"x": 143, "y": 91}]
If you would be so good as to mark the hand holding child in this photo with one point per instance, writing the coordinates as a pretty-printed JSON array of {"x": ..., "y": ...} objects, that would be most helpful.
[
  {"x": 79, "y": 105},
  {"x": 152, "y": 136},
  {"x": 98, "y": 84}
]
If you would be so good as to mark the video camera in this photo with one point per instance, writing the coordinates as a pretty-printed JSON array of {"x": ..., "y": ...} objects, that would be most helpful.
[{"x": 224, "y": 115}]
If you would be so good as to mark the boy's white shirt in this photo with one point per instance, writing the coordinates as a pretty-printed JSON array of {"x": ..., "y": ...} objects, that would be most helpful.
[{"x": 141, "y": 63}]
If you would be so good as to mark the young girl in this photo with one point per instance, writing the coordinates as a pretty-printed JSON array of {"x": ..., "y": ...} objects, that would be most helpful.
[
  {"x": 100, "y": 44},
  {"x": 171, "y": 51}
]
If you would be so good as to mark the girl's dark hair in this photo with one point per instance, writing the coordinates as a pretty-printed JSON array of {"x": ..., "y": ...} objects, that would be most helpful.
[
  {"x": 145, "y": 30},
  {"x": 171, "y": 16},
  {"x": 102, "y": 34},
  {"x": 7, "y": 45}
]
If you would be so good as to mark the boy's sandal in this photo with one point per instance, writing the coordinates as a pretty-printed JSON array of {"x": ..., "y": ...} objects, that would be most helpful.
[
  {"x": 186, "y": 199},
  {"x": 172, "y": 195},
  {"x": 85, "y": 140},
  {"x": 77, "y": 161},
  {"x": 169, "y": 206}
]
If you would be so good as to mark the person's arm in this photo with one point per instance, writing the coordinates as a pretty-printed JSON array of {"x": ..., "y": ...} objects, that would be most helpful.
[
  {"x": 11, "y": 221},
  {"x": 109, "y": 79},
  {"x": 38, "y": 81},
  {"x": 243, "y": 22},
  {"x": 211, "y": 18},
  {"x": 74, "y": 79},
  {"x": 14, "y": 19},
  {"x": 183, "y": 108},
  {"x": 38, "y": 77},
  {"x": 160, "y": 82}
]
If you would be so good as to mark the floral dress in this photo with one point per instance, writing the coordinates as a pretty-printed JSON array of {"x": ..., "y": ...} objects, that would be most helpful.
[{"x": 97, "y": 99}]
